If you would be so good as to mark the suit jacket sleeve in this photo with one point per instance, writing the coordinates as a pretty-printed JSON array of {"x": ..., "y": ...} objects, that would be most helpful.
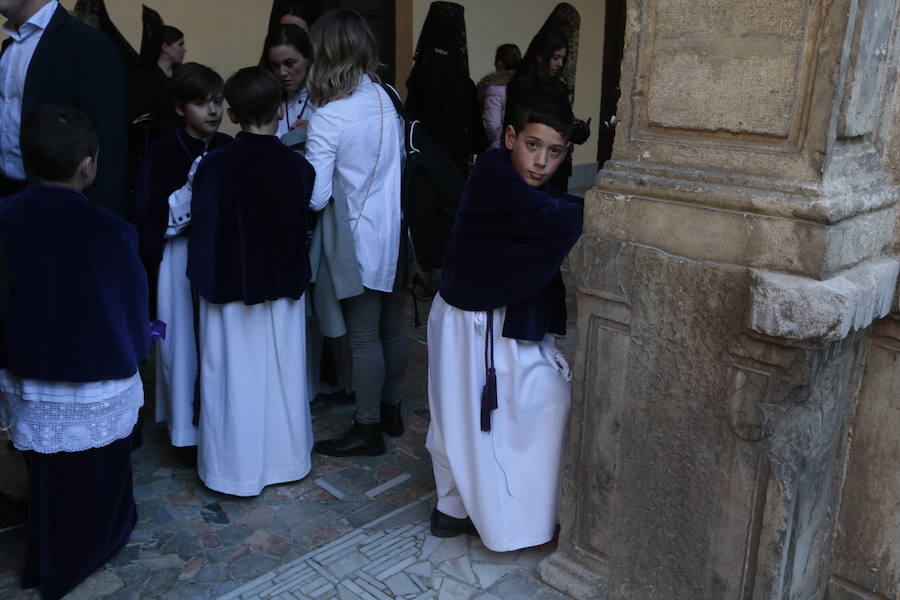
[{"x": 100, "y": 92}]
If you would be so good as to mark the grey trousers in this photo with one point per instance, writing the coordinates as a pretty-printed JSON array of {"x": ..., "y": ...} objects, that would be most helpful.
[{"x": 376, "y": 325}]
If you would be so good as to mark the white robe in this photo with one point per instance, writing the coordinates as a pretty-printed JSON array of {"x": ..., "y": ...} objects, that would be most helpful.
[
  {"x": 176, "y": 356},
  {"x": 255, "y": 426},
  {"x": 507, "y": 480}
]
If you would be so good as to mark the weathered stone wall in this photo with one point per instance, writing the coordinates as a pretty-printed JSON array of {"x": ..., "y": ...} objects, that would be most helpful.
[
  {"x": 738, "y": 248},
  {"x": 867, "y": 554}
]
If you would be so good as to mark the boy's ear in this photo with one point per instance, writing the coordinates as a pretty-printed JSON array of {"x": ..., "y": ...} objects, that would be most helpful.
[
  {"x": 280, "y": 114},
  {"x": 509, "y": 137},
  {"x": 87, "y": 169},
  {"x": 179, "y": 109},
  {"x": 232, "y": 116}
]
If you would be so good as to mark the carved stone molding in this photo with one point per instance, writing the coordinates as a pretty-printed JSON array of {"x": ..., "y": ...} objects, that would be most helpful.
[{"x": 822, "y": 312}]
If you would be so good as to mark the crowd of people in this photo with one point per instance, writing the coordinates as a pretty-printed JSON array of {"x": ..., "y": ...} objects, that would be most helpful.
[{"x": 243, "y": 254}]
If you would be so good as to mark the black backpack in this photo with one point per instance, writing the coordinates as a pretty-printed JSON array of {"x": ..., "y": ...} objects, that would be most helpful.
[{"x": 431, "y": 188}]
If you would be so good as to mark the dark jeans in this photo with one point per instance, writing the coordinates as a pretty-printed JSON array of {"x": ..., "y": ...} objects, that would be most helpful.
[{"x": 380, "y": 346}]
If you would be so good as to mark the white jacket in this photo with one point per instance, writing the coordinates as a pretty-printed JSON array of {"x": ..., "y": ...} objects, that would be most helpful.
[{"x": 343, "y": 147}]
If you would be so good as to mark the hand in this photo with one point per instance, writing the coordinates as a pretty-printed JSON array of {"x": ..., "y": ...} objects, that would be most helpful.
[{"x": 299, "y": 123}]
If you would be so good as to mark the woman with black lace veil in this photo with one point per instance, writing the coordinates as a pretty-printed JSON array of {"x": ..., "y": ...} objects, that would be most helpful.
[{"x": 441, "y": 94}]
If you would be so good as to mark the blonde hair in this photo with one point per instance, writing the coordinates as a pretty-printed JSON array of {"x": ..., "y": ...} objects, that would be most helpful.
[{"x": 345, "y": 50}]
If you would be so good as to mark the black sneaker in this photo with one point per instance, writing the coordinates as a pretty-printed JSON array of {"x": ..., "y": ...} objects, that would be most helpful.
[{"x": 445, "y": 526}]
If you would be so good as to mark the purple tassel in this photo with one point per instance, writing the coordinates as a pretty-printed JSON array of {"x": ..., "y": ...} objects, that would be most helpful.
[
  {"x": 489, "y": 392},
  {"x": 157, "y": 330},
  {"x": 488, "y": 399}
]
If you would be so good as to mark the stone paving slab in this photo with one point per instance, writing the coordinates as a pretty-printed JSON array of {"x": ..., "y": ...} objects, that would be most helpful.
[
  {"x": 395, "y": 557},
  {"x": 191, "y": 543}
]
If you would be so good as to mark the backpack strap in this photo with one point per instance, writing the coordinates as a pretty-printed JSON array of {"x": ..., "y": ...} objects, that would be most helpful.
[
  {"x": 410, "y": 125},
  {"x": 395, "y": 98}
]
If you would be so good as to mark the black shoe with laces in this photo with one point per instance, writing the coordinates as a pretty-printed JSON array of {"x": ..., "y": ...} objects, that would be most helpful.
[
  {"x": 391, "y": 419},
  {"x": 361, "y": 440},
  {"x": 445, "y": 526}
]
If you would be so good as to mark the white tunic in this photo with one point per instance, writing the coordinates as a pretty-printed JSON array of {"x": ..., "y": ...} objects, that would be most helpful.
[
  {"x": 176, "y": 356},
  {"x": 507, "y": 480},
  {"x": 255, "y": 426}
]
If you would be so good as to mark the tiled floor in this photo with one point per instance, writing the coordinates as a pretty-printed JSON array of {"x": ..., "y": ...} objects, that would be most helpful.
[{"x": 352, "y": 529}]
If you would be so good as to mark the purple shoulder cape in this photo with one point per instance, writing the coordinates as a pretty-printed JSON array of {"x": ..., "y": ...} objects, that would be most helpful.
[
  {"x": 507, "y": 245},
  {"x": 248, "y": 222},
  {"x": 77, "y": 304}
]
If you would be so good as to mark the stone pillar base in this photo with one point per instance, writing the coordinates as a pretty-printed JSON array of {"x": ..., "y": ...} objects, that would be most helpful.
[{"x": 571, "y": 578}]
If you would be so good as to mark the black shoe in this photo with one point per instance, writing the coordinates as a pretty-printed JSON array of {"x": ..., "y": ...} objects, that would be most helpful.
[
  {"x": 445, "y": 526},
  {"x": 391, "y": 419},
  {"x": 186, "y": 456},
  {"x": 361, "y": 440}
]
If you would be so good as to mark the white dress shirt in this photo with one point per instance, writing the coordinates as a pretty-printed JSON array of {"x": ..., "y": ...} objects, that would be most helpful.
[
  {"x": 342, "y": 146},
  {"x": 298, "y": 108},
  {"x": 13, "y": 69}
]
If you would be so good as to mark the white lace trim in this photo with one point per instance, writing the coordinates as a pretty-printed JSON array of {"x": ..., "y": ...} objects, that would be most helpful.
[{"x": 50, "y": 416}]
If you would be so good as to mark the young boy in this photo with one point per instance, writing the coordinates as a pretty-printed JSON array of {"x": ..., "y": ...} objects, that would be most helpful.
[
  {"x": 198, "y": 94},
  {"x": 248, "y": 262},
  {"x": 74, "y": 307},
  {"x": 497, "y": 386}
]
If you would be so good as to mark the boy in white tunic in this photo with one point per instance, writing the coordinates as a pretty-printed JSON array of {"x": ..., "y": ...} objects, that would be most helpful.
[
  {"x": 247, "y": 260},
  {"x": 498, "y": 388},
  {"x": 199, "y": 99}
]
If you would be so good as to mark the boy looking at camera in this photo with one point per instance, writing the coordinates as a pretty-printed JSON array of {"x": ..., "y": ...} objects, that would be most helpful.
[{"x": 498, "y": 387}]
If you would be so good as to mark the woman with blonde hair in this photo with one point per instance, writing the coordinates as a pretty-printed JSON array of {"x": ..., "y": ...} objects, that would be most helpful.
[{"x": 355, "y": 143}]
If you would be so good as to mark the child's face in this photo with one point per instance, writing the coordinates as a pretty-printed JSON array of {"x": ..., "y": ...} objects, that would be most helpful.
[
  {"x": 536, "y": 151},
  {"x": 202, "y": 117}
]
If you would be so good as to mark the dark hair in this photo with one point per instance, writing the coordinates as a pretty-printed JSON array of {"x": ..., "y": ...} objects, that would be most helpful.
[
  {"x": 308, "y": 10},
  {"x": 552, "y": 110},
  {"x": 543, "y": 45},
  {"x": 168, "y": 35},
  {"x": 54, "y": 141},
  {"x": 254, "y": 94},
  {"x": 195, "y": 82},
  {"x": 288, "y": 35},
  {"x": 509, "y": 55}
]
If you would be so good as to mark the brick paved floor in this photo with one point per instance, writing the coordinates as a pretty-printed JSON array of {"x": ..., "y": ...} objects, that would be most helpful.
[{"x": 352, "y": 529}]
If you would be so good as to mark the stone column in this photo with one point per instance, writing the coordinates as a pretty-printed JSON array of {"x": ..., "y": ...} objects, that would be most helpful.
[
  {"x": 737, "y": 250},
  {"x": 866, "y": 562}
]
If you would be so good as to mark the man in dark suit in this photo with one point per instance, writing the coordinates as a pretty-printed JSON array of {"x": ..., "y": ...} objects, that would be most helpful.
[{"x": 50, "y": 57}]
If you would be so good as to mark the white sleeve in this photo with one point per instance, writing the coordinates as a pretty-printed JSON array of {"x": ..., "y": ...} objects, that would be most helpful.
[
  {"x": 180, "y": 204},
  {"x": 321, "y": 151}
]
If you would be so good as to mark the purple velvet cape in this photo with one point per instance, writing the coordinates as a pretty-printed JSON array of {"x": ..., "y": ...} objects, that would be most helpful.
[
  {"x": 77, "y": 306},
  {"x": 248, "y": 222},
  {"x": 163, "y": 170},
  {"x": 506, "y": 248}
]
